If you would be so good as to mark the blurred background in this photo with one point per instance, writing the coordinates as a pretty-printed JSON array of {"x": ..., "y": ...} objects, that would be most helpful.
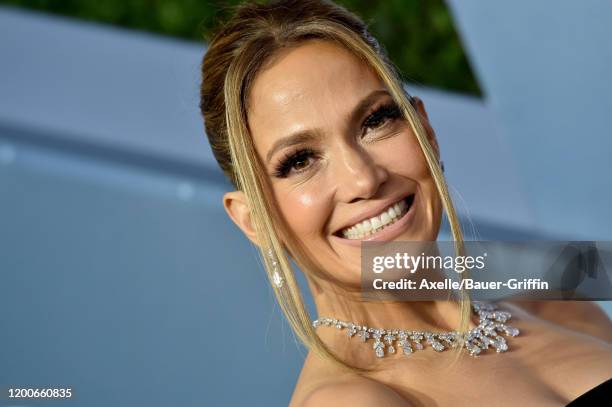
[{"x": 120, "y": 275}]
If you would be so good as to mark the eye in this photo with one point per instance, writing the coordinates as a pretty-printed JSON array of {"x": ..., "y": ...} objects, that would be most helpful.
[
  {"x": 381, "y": 116},
  {"x": 294, "y": 162}
]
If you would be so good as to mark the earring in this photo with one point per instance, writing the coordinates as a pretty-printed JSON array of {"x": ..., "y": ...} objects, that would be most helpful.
[
  {"x": 442, "y": 165},
  {"x": 276, "y": 277}
]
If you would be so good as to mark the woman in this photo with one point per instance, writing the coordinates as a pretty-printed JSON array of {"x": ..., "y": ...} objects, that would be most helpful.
[{"x": 309, "y": 120}]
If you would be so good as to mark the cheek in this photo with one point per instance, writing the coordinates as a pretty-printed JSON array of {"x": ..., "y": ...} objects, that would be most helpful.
[
  {"x": 402, "y": 155},
  {"x": 306, "y": 210}
]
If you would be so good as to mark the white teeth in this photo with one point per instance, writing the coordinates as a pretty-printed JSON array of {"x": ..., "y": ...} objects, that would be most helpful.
[
  {"x": 376, "y": 223},
  {"x": 385, "y": 218},
  {"x": 372, "y": 225}
]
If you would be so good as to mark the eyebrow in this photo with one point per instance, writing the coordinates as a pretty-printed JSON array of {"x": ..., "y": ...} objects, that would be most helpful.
[{"x": 303, "y": 136}]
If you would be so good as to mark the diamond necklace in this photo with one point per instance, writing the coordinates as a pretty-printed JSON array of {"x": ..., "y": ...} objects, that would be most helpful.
[{"x": 485, "y": 335}]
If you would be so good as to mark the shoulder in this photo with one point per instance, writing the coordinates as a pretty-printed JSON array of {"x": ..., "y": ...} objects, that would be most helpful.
[
  {"x": 354, "y": 392},
  {"x": 585, "y": 317}
]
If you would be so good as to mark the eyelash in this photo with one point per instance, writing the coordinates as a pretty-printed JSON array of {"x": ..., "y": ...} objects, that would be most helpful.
[
  {"x": 376, "y": 119},
  {"x": 285, "y": 166},
  {"x": 379, "y": 117}
]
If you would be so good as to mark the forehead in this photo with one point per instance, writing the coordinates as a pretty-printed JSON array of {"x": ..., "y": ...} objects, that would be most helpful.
[{"x": 312, "y": 86}]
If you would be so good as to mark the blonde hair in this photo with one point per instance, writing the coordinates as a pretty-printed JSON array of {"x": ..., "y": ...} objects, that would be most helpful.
[{"x": 235, "y": 55}]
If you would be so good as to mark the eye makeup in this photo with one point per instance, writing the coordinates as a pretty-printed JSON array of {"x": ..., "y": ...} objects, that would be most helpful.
[
  {"x": 292, "y": 160},
  {"x": 300, "y": 160},
  {"x": 382, "y": 115}
]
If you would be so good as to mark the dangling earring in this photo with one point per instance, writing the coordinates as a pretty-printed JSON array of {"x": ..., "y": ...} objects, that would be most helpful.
[
  {"x": 276, "y": 277},
  {"x": 442, "y": 165}
]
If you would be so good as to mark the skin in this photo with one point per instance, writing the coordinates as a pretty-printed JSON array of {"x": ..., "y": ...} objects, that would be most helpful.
[{"x": 314, "y": 88}]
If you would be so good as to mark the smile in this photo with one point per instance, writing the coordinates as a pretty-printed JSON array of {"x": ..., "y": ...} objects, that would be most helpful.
[{"x": 375, "y": 224}]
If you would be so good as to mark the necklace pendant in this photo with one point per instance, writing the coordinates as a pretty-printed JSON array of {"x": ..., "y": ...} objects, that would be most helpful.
[
  {"x": 379, "y": 349},
  {"x": 406, "y": 348}
]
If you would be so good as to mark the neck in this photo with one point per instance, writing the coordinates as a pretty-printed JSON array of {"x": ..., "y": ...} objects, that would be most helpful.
[{"x": 421, "y": 315}]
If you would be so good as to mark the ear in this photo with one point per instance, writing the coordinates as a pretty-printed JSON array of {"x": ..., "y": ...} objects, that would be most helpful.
[
  {"x": 237, "y": 208},
  {"x": 431, "y": 135}
]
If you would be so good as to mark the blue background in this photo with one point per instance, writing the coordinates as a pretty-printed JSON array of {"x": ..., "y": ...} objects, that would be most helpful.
[{"x": 120, "y": 274}]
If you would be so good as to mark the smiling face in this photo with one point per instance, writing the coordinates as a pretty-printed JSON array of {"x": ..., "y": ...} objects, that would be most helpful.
[{"x": 343, "y": 163}]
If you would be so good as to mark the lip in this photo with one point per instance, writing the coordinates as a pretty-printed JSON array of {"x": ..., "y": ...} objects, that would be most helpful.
[
  {"x": 387, "y": 233},
  {"x": 377, "y": 210}
]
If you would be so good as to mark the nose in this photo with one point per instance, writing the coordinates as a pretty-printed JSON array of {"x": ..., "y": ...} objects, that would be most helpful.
[{"x": 358, "y": 175}]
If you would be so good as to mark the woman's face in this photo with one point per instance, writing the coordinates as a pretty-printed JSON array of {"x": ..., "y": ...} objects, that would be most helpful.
[{"x": 343, "y": 164}]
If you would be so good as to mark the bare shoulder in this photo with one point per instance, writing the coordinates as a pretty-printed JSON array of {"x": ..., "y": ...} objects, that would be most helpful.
[
  {"x": 586, "y": 317},
  {"x": 354, "y": 392}
]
